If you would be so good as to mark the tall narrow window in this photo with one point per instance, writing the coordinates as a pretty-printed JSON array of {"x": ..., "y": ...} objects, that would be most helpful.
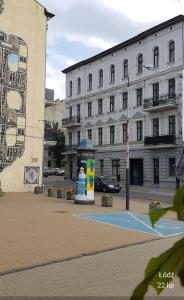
[
  {"x": 140, "y": 63},
  {"x": 89, "y": 109},
  {"x": 172, "y": 166},
  {"x": 139, "y": 131},
  {"x": 70, "y": 139},
  {"x": 90, "y": 79},
  {"x": 156, "y": 127},
  {"x": 124, "y": 133},
  {"x": 78, "y": 138},
  {"x": 78, "y": 113},
  {"x": 100, "y": 83},
  {"x": 112, "y": 134},
  {"x": 125, "y": 68},
  {"x": 70, "y": 88},
  {"x": 172, "y": 92},
  {"x": 139, "y": 97},
  {"x": 100, "y": 106},
  {"x": 101, "y": 167},
  {"x": 172, "y": 125},
  {"x": 155, "y": 94},
  {"x": 171, "y": 51},
  {"x": 70, "y": 112},
  {"x": 78, "y": 85},
  {"x": 125, "y": 100},
  {"x": 156, "y": 57},
  {"x": 90, "y": 134},
  {"x": 111, "y": 103},
  {"x": 112, "y": 73},
  {"x": 100, "y": 136}
]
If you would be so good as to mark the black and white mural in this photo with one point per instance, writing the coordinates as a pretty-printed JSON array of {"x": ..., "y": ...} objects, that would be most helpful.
[{"x": 13, "y": 88}]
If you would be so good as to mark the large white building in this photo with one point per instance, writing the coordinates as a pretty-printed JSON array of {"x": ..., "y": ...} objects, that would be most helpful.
[{"x": 106, "y": 89}]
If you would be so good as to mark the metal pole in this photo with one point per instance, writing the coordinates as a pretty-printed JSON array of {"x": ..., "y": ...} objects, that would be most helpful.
[
  {"x": 127, "y": 168},
  {"x": 127, "y": 155}
]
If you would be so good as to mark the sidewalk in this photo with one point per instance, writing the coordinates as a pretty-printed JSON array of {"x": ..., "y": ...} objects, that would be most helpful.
[
  {"x": 114, "y": 273},
  {"x": 36, "y": 229}
]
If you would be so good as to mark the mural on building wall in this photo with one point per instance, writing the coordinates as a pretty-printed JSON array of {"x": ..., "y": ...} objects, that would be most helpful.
[
  {"x": 13, "y": 89},
  {"x": 1, "y": 6},
  {"x": 31, "y": 175}
]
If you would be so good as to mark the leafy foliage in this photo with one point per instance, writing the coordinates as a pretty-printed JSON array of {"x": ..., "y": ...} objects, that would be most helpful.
[
  {"x": 169, "y": 262},
  {"x": 59, "y": 148}
]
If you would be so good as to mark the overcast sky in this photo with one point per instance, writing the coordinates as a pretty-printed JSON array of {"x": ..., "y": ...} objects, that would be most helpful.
[{"x": 83, "y": 28}]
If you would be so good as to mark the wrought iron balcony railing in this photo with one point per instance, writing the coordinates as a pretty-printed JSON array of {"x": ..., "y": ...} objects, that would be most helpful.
[
  {"x": 69, "y": 148},
  {"x": 160, "y": 139},
  {"x": 71, "y": 121},
  {"x": 163, "y": 100}
]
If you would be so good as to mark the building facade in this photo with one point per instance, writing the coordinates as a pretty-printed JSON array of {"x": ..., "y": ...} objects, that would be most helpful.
[
  {"x": 54, "y": 112},
  {"x": 22, "y": 87},
  {"x": 139, "y": 80}
]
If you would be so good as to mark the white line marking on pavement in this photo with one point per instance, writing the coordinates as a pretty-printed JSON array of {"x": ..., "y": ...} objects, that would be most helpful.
[{"x": 157, "y": 232}]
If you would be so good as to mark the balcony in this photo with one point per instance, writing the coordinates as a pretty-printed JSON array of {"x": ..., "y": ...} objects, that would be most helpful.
[
  {"x": 71, "y": 122},
  {"x": 163, "y": 102},
  {"x": 160, "y": 141},
  {"x": 71, "y": 149}
]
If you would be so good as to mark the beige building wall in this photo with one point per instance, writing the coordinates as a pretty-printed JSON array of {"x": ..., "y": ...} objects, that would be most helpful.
[{"x": 25, "y": 19}]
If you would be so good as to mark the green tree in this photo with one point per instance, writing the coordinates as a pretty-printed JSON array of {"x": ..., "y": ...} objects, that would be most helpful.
[
  {"x": 172, "y": 260},
  {"x": 59, "y": 148}
]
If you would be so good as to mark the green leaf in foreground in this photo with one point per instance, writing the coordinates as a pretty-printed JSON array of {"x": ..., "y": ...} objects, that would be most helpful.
[
  {"x": 170, "y": 261},
  {"x": 155, "y": 215},
  {"x": 178, "y": 202}
]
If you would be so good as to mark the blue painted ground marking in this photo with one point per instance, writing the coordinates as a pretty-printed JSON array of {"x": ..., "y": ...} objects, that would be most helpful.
[{"x": 138, "y": 222}]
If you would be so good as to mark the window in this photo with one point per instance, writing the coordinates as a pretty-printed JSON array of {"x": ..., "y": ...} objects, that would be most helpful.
[
  {"x": 1, "y": 36},
  {"x": 124, "y": 133},
  {"x": 49, "y": 163},
  {"x": 172, "y": 126},
  {"x": 78, "y": 112},
  {"x": 90, "y": 79},
  {"x": 140, "y": 63},
  {"x": 70, "y": 112},
  {"x": 78, "y": 85},
  {"x": 112, "y": 134},
  {"x": 70, "y": 139},
  {"x": 139, "y": 131},
  {"x": 49, "y": 153},
  {"x": 111, "y": 103},
  {"x": 100, "y": 106},
  {"x": 171, "y": 88},
  {"x": 112, "y": 73},
  {"x": 70, "y": 88},
  {"x": 125, "y": 100},
  {"x": 100, "y": 136},
  {"x": 156, "y": 57},
  {"x": 89, "y": 109},
  {"x": 101, "y": 167},
  {"x": 139, "y": 97},
  {"x": 156, "y": 127},
  {"x": 20, "y": 131},
  {"x": 125, "y": 68},
  {"x": 155, "y": 94},
  {"x": 115, "y": 167},
  {"x": 78, "y": 138},
  {"x": 100, "y": 78},
  {"x": 172, "y": 166},
  {"x": 171, "y": 51},
  {"x": 90, "y": 134}
]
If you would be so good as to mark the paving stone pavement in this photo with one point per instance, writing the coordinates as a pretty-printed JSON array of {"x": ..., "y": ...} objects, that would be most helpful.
[
  {"x": 114, "y": 273},
  {"x": 35, "y": 229}
]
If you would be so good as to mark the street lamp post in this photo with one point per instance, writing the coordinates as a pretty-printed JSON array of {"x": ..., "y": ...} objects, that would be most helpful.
[{"x": 148, "y": 67}]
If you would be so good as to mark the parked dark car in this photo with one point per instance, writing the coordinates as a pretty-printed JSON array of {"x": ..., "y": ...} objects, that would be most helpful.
[
  {"x": 106, "y": 186},
  {"x": 60, "y": 172},
  {"x": 45, "y": 173}
]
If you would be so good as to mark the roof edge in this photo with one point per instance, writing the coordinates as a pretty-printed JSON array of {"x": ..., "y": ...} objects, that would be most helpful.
[{"x": 126, "y": 43}]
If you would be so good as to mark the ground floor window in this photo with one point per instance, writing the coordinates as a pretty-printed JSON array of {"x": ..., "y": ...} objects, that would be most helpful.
[
  {"x": 115, "y": 167},
  {"x": 172, "y": 166},
  {"x": 49, "y": 163},
  {"x": 101, "y": 167}
]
